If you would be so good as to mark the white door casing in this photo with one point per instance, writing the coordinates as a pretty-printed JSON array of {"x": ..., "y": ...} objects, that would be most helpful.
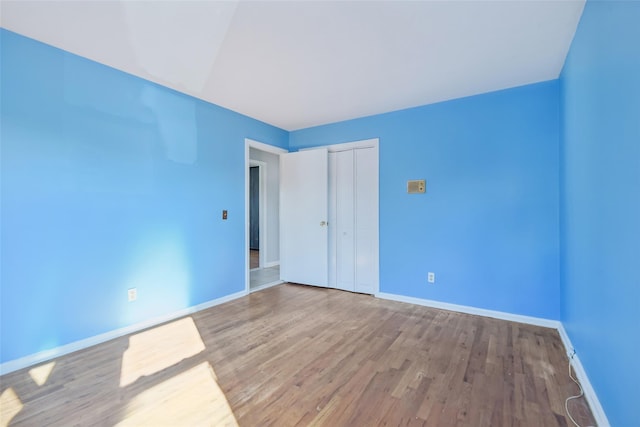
[{"x": 248, "y": 144}]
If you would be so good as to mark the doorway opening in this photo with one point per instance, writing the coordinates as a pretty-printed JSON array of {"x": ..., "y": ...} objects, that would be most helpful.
[
  {"x": 257, "y": 195},
  {"x": 262, "y": 215}
]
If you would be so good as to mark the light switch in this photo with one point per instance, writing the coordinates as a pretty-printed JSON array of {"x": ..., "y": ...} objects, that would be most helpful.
[{"x": 224, "y": 214}]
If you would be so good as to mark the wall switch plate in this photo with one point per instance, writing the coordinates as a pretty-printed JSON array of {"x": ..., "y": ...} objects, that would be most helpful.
[
  {"x": 132, "y": 294},
  {"x": 416, "y": 186},
  {"x": 431, "y": 277}
]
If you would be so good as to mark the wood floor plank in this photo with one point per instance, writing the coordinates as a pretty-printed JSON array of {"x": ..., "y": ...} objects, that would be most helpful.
[{"x": 293, "y": 355}]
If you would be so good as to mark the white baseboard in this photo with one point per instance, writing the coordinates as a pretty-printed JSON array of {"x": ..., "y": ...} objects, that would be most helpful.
[
  {"x": 538, "y": 321},
  {"x": 581, "y": 374},
  {"x": 33, "y": 359}
]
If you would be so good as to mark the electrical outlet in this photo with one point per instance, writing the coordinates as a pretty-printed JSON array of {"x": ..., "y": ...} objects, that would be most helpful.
[
  {"x": 431, "y": 277},
  {"x": 132, "y": 294}
]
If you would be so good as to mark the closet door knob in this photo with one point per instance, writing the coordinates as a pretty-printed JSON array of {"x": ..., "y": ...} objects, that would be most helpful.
[{"x": 323, "y": 223}]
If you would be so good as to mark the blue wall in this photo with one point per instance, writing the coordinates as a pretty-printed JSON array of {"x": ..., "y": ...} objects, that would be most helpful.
[
  {"x": 488, "y": 224},
  {"x": 111, "y": 182},
  {"x": 600, "y": 225}
]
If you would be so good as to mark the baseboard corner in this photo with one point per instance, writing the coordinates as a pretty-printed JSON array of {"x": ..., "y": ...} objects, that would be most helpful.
[{"x": 589, "y": 393}]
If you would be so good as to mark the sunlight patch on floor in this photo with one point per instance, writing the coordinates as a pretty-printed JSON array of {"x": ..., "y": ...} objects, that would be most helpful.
[
  {"x": 10, "y": 405},
  {"x": 40, "y": 374},
  {"x": 155, "y": 349},
  {"x": 191, "y": 398}
]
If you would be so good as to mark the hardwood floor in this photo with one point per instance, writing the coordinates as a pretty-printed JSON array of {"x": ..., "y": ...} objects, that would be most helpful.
[
  {"x": 294, "y": 355},
  {"x": 254, "y": 258}
]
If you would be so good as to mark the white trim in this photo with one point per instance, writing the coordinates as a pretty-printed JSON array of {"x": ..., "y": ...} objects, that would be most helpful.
[
  {"x": 266, "y": 285},
  {"x": 345, "y": 146},
  {"x": 589, "y": 393},
  {"x": 271, "y": 264},
  {"x": 250, "y": 143},
  {"x": 538, "y": 321},
  {"x": 565, "y": 340},
  {"x": 264, "y": 147},
  {"x": 354, "y": 145},
  {"x": 43, "y": 356}
]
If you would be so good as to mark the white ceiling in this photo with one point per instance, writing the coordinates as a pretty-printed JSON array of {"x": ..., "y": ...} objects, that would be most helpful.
[{"x": 306, "y": 63}]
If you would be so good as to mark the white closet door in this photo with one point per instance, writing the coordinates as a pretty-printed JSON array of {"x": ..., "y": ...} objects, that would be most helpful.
[
  {"x": 333, "y": 220},
  {"x": 303, "y": 217},
  {"x": 366, "y": 220},
  {"x": 344, "y": 226}
]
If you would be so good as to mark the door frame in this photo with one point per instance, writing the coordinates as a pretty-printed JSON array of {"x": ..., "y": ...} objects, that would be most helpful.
[{"x": 250, "y": 143}]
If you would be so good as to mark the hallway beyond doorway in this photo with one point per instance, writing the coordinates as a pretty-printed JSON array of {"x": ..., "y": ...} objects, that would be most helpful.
[
  {"x": 264, "y": 277},
  {"x": 254, "y": 259}
]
